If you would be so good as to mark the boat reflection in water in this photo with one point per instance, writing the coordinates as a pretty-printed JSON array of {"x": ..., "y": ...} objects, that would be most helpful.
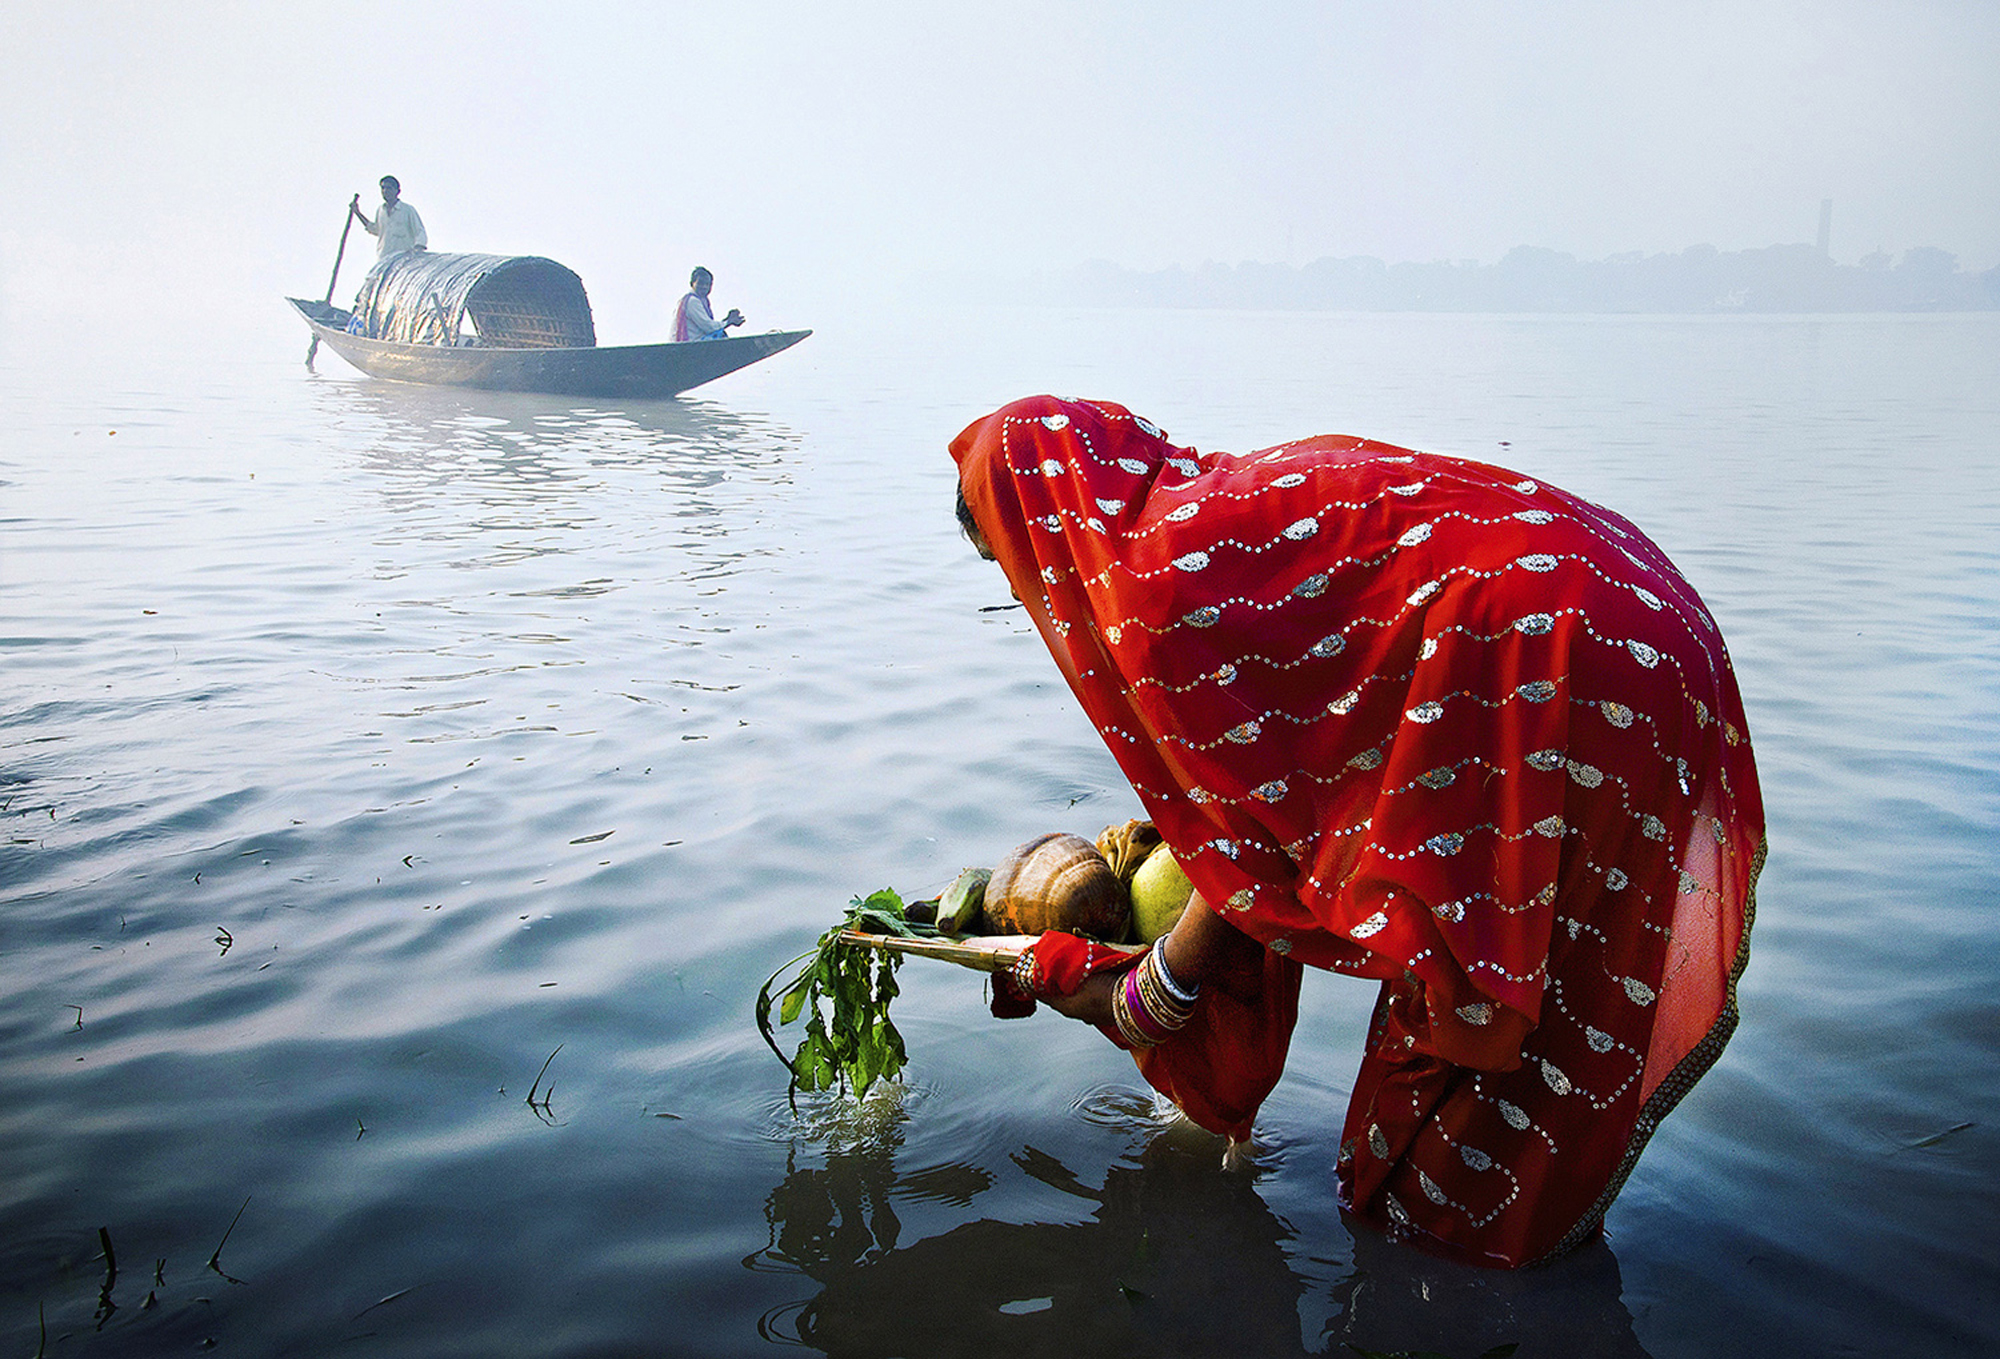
[
  {"x": 475, "y": 480},
  {"x": 408, "y": 431}
]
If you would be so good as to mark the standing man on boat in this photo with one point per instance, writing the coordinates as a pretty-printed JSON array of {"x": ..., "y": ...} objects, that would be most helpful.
[
  {"x": 396, "y": 227},
  {"x": 694, "y": 320}
]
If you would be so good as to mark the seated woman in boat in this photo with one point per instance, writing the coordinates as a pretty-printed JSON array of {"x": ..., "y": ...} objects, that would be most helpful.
[
  {"x": 693, "y": 320},
  {"x": 1413, "y": 719}
]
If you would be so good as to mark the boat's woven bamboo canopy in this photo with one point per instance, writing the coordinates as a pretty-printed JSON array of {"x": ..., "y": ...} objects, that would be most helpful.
[{"x": 509, "y": 301}]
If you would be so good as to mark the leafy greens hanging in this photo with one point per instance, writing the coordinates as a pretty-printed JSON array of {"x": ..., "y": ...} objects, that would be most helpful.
[{"x": 843, "y": 995}]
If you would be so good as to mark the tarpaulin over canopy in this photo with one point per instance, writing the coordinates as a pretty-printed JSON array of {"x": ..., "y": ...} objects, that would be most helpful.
[{"x": 512, "y": 301}]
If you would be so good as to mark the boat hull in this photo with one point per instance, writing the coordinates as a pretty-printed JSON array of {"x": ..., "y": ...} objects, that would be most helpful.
[{"x": 628, "y": 371}]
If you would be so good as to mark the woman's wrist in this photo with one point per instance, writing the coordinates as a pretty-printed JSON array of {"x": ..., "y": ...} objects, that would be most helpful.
[
  {"x": 1186, "y": 993},
  {"x": 1146, "y": 1010},
  {"x": 1196, "y": 944}
]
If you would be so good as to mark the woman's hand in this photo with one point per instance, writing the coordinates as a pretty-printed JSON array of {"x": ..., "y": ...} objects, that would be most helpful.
[
  {"x": 1193, "y": 950},
  {"x": 1090, "y": 1002}
]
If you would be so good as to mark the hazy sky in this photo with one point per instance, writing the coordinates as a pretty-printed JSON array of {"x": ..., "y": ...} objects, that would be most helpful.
[{"x": 835, "y": 150}]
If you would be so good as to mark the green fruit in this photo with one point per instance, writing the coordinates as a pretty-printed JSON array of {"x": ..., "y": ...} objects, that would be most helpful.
[
  {"x": 1160, "y": 892},
  {"x": 958, "y": 909}
]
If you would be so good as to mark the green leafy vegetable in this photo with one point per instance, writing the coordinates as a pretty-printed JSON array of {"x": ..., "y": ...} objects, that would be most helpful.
[{"x": 843, "y": 994}]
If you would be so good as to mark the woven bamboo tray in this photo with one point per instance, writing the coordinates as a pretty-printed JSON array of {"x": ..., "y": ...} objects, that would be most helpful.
[{"x": 980, "y": 952}]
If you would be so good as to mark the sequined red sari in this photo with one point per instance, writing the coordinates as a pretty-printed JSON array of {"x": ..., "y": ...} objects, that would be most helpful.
[{"x": 1422, "y": 720}]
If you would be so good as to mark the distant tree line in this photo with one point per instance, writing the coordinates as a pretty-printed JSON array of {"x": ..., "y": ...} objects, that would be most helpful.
[{"x": 1778, "y": 278}]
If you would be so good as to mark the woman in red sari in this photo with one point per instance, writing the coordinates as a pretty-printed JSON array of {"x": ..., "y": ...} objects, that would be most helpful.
[{"x": 1410, "y": 718}]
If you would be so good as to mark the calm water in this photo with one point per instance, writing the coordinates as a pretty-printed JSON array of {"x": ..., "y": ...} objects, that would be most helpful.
[{"x": 361, "y": 747}]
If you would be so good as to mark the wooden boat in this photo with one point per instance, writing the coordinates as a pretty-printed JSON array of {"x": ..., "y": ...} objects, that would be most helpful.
[{"x": 513, "y": 323}]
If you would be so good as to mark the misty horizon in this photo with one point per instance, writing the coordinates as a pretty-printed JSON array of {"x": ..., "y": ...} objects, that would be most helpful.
[
  {"x": 825, "y": 162},
  {"x": 1699, "y": 279}
]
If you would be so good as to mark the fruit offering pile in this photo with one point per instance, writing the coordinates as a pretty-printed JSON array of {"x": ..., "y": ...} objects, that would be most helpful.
[{"x": 1124, "y": 887}]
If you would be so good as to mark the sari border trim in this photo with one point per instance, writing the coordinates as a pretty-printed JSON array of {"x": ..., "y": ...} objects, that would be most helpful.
[{"x": 1678, "y": 1082}]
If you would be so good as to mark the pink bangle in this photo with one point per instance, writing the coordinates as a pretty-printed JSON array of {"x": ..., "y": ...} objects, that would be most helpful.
[
  {"x": 1147, "y": 1009},
  {"x": 1145, "y": 1017},
  {"x": 1129, "y": 1027}
]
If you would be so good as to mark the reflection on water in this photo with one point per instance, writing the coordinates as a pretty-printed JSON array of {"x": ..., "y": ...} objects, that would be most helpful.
[
  {"x": 1173, "y": 1258},
  {"x": 533, "y": 441},
  {"x": 519, "y": 473},
  {"x": 1165, "y": 1237},
  {"x": 1396, "y": 1300}
]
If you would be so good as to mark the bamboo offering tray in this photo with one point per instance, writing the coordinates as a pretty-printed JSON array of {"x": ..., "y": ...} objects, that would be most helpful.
[{"x": 980, "y": 952}]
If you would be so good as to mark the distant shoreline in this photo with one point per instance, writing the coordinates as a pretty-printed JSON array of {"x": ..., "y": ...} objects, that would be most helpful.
[{"x": 1700, "y": 280}]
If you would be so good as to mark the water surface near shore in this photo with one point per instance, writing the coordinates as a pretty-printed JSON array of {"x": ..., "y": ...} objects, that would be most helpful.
[{"x": 364, "y": 745}]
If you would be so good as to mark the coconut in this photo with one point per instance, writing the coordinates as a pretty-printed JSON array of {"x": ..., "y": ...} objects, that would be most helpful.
[
  {"x": 1057, "y": 882},
  {"x": 1160, "y": 892}
]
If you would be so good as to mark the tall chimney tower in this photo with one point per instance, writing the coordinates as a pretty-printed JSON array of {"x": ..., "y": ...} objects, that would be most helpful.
[{"x": 1826, "y": 227}]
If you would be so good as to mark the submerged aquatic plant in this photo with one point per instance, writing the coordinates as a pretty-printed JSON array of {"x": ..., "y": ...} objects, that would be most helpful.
[{"x": 843, "y": 994}]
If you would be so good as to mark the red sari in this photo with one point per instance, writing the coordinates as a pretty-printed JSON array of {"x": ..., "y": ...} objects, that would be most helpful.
[{"x": 1422, "y": 720}]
